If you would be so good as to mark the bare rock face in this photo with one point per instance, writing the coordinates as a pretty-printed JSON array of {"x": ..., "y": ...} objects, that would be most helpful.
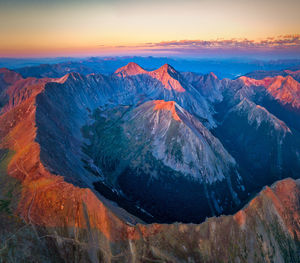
[
  {"x": 152, "y": 153},
  {"x": 58, "y": 176}
]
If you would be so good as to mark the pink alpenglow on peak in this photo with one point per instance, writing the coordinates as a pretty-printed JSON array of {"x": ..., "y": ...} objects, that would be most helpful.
[
  {"x": 168, "y": 106},
  {"x": 166, "y": 74},
  {"x": 213, "y": 75},
  {"x": 131, "y": 69},
  {"x": 254, "y": 82},
  {"x": 284, "y": 89}
]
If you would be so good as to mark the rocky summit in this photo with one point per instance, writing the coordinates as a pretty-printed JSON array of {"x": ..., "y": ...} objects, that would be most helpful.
[{"x": 149, "y": 166}]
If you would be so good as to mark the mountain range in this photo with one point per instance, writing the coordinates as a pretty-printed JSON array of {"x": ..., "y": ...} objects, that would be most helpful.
[
  {"x": 150, "y": 165},
  {"x": 222, "y": 67}
]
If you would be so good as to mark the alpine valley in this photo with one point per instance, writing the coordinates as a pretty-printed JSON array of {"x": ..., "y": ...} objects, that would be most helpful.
[{"x": 149, "y": 165}]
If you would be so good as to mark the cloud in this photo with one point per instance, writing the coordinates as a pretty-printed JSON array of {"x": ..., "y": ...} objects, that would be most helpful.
[
  {"x": 286, "y": 44},
  {"x": 268, "y": 43}
]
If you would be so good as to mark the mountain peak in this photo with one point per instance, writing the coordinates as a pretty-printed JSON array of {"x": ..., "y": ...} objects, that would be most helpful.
[
  {"x": 256, "y": 82},
  {"x": 168, "y": 76},
  {"x": 74, "y": 76},
  {"x": 167, "y": 69},
  {"x": 259, "y": 114},
  {"x": 285, "y": 89},
  {"x": 130, "y": 69},
  {"x": 168, "y": 106},
  {"x": 63, "y": 79},
  {"x": 213, "y": 75}
]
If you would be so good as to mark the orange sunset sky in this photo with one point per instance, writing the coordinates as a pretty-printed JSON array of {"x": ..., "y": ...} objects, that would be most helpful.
[{"x": 120, "y": 27}]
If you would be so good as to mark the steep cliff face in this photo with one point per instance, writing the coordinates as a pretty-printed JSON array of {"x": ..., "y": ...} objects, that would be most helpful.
[{"x": 49, "y": 211}]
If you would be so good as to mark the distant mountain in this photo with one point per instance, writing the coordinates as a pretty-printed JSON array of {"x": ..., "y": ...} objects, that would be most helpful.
[
  {"x": 294, "y": 72},
  {"x": 279, "y": 95},
  {"x": 286, "y": 90},
  {"x": 223, "y": 68}
]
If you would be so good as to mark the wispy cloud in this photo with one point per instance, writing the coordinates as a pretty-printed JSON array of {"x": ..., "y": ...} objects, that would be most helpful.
[
  {"x": 270, "y": 42},
  {"x": 289, "y": 44}
]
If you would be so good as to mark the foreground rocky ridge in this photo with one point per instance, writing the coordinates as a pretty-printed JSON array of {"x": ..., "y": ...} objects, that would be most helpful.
[{"x": 52, "y": 220}]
